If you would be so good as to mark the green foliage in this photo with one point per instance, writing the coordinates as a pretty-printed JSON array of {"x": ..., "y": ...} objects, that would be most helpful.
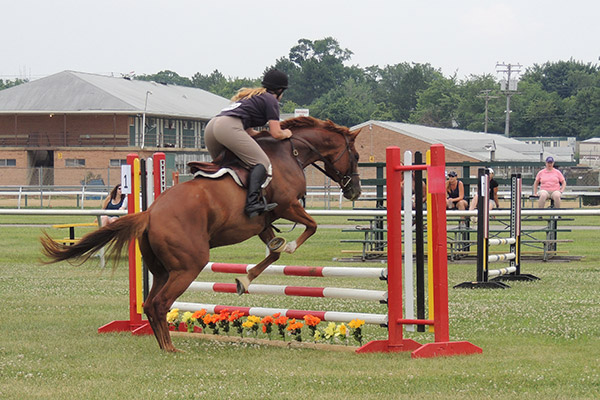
[
  {"x": 437, "y": 104},
  {"x": 314, "y": 68},
  {"x": 554, "y": 99},
  {"x": 5, "y": 84},
  {"x": 399, "y": 87},
  {"x": 470, "y": 111},
  {"x": 564, "y": 78},
  {"x": 166, "y": 77},
  {"x": 349, "y": 104}
]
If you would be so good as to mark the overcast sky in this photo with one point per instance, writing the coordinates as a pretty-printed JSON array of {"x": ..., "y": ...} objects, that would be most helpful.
[{"x": 242, "y": 37}]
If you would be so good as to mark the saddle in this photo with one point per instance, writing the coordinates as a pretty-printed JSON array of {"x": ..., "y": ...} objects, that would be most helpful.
[{"x": 225, "y": 163}]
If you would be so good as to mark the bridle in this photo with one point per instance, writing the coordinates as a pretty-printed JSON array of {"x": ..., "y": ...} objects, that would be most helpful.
[{"x": 343, "y": 179}]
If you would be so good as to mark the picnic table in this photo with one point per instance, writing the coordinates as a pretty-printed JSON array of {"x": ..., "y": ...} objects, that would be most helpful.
[{"x": 72, "y": 239}]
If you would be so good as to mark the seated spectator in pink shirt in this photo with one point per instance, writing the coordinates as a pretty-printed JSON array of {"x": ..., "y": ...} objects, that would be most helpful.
[{"x": 551, "y": 184}]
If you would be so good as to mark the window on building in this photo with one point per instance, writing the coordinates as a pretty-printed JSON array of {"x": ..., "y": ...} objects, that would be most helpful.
[
  {"x": 115, "y": 162},
  {"x": 74, "y": 162},
  {"x": 8, "y": 162}
]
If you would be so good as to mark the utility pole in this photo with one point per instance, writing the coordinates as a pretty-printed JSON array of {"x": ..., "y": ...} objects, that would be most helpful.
[
  {"x": 485, "y": 94},
  {"x": 509, "y": 87}
]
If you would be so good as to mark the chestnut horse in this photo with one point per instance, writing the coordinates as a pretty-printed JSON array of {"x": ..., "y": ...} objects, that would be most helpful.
[{"x": 177, "y": 231}]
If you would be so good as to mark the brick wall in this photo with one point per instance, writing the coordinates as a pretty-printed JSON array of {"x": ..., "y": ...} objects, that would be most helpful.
[{"x": 16, "y": 175}]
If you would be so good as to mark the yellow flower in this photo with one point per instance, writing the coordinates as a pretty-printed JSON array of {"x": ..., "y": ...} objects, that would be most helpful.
[
  {"x": 248, "y": 324},
  {"x": 330, "y": 330},
  {"x": 172, "y": 315},
  {"x": 356, "y": 323},
  {"x": 317, "y": 335},
  {"x": 187, "y": 316},
  {"x": 254, "y": 319},
  {"x": 341, "y": 330}
]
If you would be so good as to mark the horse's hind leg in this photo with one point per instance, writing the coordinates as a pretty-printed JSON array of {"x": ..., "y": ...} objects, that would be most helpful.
[
  {"x": 176, "y": 284},
  {"x": 182, "y": 266},
  {"x": 159, "y": 278}
]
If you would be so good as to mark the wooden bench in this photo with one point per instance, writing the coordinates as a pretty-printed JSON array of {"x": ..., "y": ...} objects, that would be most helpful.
[
  {"x": 374, "y": 242},
  {"x": 460, "y": 242}
]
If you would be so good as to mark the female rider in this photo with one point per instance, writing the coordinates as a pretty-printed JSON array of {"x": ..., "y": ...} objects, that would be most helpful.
[{"x": 233, "y": 129}]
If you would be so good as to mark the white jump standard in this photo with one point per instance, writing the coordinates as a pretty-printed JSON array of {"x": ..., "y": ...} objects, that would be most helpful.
[{"x": 513, "y": 272}]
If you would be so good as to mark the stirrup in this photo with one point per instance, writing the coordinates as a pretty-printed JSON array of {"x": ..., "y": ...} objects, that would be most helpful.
[{"x": 259, "y": 209}]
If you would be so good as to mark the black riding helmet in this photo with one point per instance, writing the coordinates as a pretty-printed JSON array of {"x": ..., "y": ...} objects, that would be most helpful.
[{"x": 274, "y": 79}]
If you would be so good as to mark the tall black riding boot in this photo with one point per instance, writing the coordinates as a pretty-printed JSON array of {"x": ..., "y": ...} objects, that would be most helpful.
[{"x": 256, "y": 204}]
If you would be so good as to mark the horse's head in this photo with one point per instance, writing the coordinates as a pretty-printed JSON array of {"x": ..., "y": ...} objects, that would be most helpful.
[
  {"x": 343, "y": 168},
  {"x": 334, "y": 146}
]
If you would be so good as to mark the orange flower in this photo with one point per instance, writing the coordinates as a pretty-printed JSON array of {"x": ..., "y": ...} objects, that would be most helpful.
[
  {"x": 295, "y": 325},
  {"x": 267, "y": 320},
  {"x": 311, "y": 320},
  {"x": 235, "y": 315},
  {"x": 281, "y": 320},
  {"x": 221, "y": 317},
  {"x": 207, "y": 318},
  {"x": 199, "y": 314}
]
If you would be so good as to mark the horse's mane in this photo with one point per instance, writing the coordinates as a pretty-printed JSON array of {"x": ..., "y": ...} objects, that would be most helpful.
[{"x": 310, "y": 122}]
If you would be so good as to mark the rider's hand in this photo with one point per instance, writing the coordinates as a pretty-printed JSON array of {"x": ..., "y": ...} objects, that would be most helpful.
[{"x": 286, "y": 134}]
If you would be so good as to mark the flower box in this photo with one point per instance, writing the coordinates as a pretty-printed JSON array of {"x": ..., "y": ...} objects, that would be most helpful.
[{"x": 266, "y": 342}]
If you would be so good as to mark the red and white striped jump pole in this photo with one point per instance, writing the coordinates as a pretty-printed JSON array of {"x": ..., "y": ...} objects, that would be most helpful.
[{"x": 298, "y": 270}]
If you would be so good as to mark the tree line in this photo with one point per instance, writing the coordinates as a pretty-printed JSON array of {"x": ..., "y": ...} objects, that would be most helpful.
[{"x": 553, "y": 99}]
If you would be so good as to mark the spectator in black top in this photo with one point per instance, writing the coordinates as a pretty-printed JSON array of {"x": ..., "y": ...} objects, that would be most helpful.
[
  {"x": 115, "y": 201},
  {"x": 455, "y": 193},
  {"x": 493, "y": 199}
]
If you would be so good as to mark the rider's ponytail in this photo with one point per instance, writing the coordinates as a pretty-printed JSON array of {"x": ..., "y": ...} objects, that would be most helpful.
[{"x": 246, "y": 93}]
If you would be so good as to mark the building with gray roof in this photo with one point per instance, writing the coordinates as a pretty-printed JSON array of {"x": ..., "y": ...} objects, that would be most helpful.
[
  {"x": 460, "y": 145},
  {"x": 72, "y": 119}
]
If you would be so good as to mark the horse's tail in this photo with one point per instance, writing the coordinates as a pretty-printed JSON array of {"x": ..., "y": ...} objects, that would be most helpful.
[{"x": 114, "y": 235}]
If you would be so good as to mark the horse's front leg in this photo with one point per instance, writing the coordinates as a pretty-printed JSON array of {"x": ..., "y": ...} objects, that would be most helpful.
[
  {"x": 244, "y": 281},
  {"x": 297, "y": 213}
]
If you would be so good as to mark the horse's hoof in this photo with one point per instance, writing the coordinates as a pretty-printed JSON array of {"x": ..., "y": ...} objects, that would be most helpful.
[
  {"x": 242, "y": 284},
  {"x": 276, "y": 245}
]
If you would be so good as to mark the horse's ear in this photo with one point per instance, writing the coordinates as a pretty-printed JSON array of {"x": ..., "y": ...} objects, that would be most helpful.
[{"x": 355, "y": 133}]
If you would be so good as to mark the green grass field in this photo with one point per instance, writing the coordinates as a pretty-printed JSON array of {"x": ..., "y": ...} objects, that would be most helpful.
[{"x": 540, "y": 340}]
